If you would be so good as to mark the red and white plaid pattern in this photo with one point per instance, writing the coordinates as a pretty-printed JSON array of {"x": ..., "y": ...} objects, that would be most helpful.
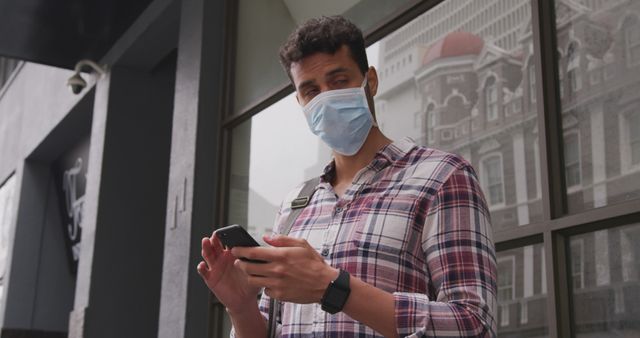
[{"x": 413, "y": 223}]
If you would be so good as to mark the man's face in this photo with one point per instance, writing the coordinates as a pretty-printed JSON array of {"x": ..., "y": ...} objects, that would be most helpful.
[{"x": 321, "y": 72}]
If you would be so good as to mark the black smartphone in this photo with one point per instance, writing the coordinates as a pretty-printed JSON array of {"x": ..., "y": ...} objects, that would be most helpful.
[{"x": 235, "y": 235}]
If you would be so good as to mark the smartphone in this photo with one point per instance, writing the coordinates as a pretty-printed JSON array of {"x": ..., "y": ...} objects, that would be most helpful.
[{"x": 235, "y": 235}]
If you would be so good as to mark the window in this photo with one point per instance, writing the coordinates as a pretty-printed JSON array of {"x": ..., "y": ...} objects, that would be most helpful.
[
  {"x": 572, "y": 159},
  {"x": 446, "y": 135},
  {"x": 532, "y": 82},
  {"x": 577, "y": 263},
  {"x": 506, "y": 280},
  {"x": 493, "y": 179},
  {"x": 432, "y": 116},
  {"x": 573, "y": 67},
  {"x": 506, "y": 287},
  {"x": 634, "y": 137},
  {"x": 516, "y": 106},
  {"x": 609, "y": 66},
  {"x": 595, "y": 76},
  {"x": 632, "y": 40},
  {"x": 491, "y": 98}
]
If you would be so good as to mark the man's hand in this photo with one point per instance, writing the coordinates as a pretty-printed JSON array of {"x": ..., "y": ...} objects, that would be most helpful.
[
  {"x": 294, "y": 271},
  {"x": 226, "y": 281}
]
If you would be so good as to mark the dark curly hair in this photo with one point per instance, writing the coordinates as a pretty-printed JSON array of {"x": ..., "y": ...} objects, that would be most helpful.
[{"x": 326, "y": 34}]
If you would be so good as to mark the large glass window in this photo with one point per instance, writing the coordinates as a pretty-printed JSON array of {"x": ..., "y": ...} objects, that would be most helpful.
[
  {"x": 600, "y": 156},
  {"x": 462, "y": 78},
  {"x": 263, "y": 25},
  {"x": 606, "y": 285},
  {"x": 272, "y": 153},
  {"x": 453, "y": 74}
]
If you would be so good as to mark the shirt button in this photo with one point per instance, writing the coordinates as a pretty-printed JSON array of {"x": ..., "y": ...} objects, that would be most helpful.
[
  {"x": 339, "y": 210},
  {"x": 325, "y": 252}
]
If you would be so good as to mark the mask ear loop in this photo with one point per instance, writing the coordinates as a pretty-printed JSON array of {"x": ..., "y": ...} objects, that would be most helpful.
[{"x": 365, "y": 89}]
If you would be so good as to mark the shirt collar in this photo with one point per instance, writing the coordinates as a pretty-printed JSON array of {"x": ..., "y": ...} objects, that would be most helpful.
[{"x": 386, "y": 156}]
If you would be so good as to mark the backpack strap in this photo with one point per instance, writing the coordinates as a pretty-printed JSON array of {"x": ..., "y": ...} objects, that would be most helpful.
[{"x": 297, "y": 205}]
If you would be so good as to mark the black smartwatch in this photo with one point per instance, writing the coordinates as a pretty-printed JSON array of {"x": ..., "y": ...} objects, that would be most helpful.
[{"x": 336, "y": 294}]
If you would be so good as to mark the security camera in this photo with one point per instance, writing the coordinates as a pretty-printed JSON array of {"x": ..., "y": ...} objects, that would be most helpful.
[{"x": 76, "y": 83}]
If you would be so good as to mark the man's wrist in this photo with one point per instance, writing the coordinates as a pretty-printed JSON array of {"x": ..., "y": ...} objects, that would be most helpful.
[
  {"x": 243, "y": 310},
  {"x": 329, "y": 276}
]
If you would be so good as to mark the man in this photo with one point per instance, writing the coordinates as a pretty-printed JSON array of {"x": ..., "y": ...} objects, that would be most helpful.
[{"x": 403, "y": 228}]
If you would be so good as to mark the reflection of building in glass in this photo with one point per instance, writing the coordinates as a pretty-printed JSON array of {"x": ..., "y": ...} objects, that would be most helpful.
[
  {"x": 472, "y": 92},
  {"x": 522, "y": 292},
  {"x": 468, "y": 98},
  {"x": 605, "y": 283}
]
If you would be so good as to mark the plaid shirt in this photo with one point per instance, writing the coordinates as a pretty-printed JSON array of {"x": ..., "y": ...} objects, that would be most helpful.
[{"x": 413, "y": 223}]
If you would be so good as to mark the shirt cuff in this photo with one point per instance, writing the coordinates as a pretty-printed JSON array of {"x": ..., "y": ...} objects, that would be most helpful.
[{"x": 411, "y": 309}]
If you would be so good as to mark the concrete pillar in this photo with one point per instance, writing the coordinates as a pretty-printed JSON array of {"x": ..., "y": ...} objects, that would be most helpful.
[
  {"x": 184, "y": 307},
  {"x": 120, "y": 267}
]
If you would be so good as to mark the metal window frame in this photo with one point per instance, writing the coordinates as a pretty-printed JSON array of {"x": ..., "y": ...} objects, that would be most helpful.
[{"x": 557, "y": 224}]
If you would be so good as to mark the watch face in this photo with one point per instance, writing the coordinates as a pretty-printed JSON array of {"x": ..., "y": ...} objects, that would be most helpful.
[
  {"x": 337, "y": 297},
  {"x": 336, "y": 294}
]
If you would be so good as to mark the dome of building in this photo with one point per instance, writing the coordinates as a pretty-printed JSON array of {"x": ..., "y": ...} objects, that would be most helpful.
[{"x": 452, "y": 45}]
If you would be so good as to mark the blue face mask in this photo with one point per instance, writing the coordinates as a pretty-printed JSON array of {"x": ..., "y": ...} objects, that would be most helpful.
[{"x": 341, "y": 118}]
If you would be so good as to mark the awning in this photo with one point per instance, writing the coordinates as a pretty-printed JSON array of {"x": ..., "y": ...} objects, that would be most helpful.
[{"x": 62, "y": 32}]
